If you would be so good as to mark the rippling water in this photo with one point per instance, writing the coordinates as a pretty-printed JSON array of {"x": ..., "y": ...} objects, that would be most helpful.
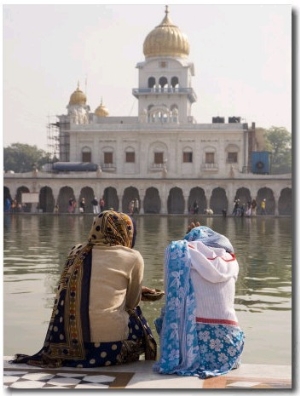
[{"x": 35, "y": 247}]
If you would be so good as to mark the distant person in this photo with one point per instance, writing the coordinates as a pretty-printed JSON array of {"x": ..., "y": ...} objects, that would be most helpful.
[
  {"x": 74, "y": 205},
  {"x": 236, "y": 207},
  {"x": 253, "y": 207},
  {"x": 7, "y": 205},
  {"x": 195, "y": 207},
  {"x": 14, "y": 206},
  {"x": 198, "y": 327},
  {"x": 95, "y": 204},
  {"x": 82, "y": 205},
  {"x": 263, "y": 210},
  {"x": 96, "y": 318},
  {"x": 136, "y": 206},
  {"x": 56, "y": 209},
  {"x": 71, "y": 205},
  {"x": 248, "y": 211},
  {"x": 101, "y": 204},
  {"x": 131, "y": 207}
]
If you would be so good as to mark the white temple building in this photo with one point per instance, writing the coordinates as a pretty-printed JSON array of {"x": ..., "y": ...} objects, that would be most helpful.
[{"x": 164, "y": 137}]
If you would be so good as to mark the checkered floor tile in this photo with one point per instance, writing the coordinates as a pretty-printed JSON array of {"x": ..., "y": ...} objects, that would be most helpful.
[
  {"x": 37, "y": 379},
  {"x": 223, "y": 382}
]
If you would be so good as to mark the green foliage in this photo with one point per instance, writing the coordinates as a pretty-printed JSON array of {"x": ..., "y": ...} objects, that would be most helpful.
[
  {"x": 23, "y": 158},
  {"x": 279, "y": 143}
]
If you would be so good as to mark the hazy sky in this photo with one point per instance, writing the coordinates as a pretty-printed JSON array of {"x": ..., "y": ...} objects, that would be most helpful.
[{"x": 241, "y": 53}]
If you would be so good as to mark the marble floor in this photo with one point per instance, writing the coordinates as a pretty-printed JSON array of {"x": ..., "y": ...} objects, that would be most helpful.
[{"x": 139, "y": 375}]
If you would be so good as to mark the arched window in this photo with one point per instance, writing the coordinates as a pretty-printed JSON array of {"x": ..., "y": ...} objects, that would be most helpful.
[
  {"x": 157, "y": 156},
  {"x": 159, "y": 114},
  {"x": 163, "y": 82},
  {"x": 232, "y": 153},
  {"x": 209, "y": 156},
  {"x": 151, "y": 82},
  {"x": 174, "y": 82},
  {"x": 129, "y": 155},
  {"x": 107, "y": 157},
  {"x": 187, "y": 155},
  {"x": 86, "y": 154}
]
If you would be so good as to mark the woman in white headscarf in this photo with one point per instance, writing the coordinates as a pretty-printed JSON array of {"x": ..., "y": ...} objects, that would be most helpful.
[{"x": 198, "y": 326}]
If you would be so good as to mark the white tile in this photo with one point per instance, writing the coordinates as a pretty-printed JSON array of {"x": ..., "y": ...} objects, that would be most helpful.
[
  {"x": 10, "y": 378},
  {"x": 38, "y": 376},
  {"x": 99, "y": 378},
  {"x": 64, "y": 381},
  {"x": 28, "y": 385}
]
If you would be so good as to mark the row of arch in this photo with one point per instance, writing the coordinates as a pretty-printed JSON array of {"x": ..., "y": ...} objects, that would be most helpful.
[
  {"x": 163, "y": 82},
  {"x": 151, "y": 202}
]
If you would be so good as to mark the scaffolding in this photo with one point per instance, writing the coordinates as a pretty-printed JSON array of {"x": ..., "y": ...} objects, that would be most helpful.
[{"x": 58, "y": 139}]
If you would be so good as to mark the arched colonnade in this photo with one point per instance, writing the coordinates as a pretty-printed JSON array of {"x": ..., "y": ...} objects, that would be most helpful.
[{"x": 159, "y": 198}]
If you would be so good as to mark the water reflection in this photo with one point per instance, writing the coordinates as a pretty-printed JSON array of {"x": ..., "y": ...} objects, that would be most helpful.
[{"x": 35, "y": 247}]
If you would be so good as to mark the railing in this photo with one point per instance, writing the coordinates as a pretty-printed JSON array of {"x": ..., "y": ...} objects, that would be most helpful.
[
  {"x": 156, "y": 90},
  {"x": 156, "y": 167},
  {"x": 209, "y": 167},
  {"x": 109, "y": 167}
]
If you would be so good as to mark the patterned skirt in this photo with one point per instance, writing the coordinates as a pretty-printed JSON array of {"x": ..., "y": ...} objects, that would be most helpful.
[
  {"x": 221, "y": 347},
  {"x": 139, "y": 342}
]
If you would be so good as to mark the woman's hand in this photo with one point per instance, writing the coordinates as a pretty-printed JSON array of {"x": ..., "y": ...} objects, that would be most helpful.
[
  {"x": 149, "y": 294},
  {"x": 146, "y": 289},
  {"x": 193, "y": 225}
]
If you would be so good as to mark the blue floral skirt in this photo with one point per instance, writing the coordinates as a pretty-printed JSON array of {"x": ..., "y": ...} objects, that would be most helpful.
[{"x": 221, "y": 347}]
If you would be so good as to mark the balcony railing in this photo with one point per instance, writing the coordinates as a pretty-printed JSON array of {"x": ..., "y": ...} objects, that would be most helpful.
[
  {"x": 108, "y": 167},
  {"x": 137, "y": 92},
  {"x": 210, "y": 167},
  {"x": 156, "y": 167}
]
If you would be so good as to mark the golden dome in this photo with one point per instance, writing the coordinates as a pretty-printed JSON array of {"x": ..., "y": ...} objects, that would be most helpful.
[
  {"x": 77, "y": 97},
  {"x": 101, "y": 111},
  {"x": 166, "y": 40}
]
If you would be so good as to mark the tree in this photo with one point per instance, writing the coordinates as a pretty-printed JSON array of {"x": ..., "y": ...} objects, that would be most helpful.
[
  {"x": 279, "y": 143},
  {"x": 23, "y": 158}
]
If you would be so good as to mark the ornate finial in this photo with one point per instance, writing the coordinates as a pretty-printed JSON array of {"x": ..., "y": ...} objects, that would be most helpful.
[
  {"x": 78, "y": 85},
  {"x": 167, "y": 11}
]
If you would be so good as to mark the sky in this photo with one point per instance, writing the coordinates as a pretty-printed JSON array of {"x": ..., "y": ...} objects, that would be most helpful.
[{"x": 242, "y": 56}]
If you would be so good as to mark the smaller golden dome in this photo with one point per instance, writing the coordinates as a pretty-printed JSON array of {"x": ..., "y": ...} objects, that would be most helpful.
[
  {"x": 101, "y": 111},
  {"x": 77, "y": 97}
]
